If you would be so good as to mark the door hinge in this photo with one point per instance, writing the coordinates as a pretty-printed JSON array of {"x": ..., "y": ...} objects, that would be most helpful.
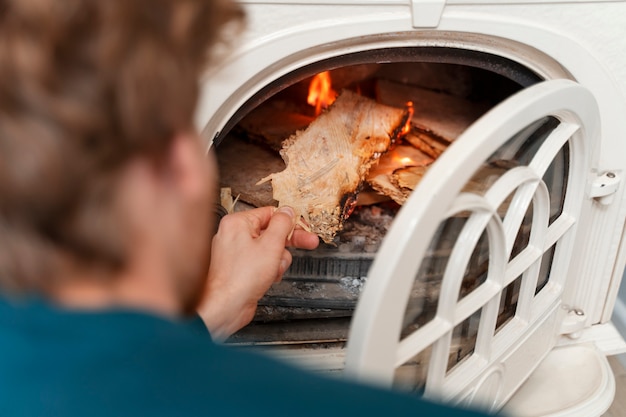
[
  {"x": 573, "y": 323},
  {"x": 604, "y": 187},
  {"x": 427, "y": 13}
]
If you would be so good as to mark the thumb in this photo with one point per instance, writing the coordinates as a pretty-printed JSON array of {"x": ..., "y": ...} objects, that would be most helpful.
[{"x": 280, "y": 226}]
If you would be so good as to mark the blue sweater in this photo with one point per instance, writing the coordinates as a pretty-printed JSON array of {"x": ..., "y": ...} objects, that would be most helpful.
[{"x": 120, "y": 362}]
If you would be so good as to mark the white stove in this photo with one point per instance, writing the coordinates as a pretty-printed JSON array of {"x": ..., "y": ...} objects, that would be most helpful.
[{"x": 568, "y": 57}]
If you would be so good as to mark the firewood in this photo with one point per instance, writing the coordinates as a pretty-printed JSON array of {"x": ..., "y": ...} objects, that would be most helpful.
[
  {"x": 226, "y": 199},
  {"x": 240, "y": 163},
  {"x": 456, "y": 80},
  {"x": 400, "y": 156},
  {"x": 438, "y": 119},
  {"x": 382, "y": 183},
  {"x": 327, "y": 163},
  {"x": 273, "y": 121},
  {"x": 407, "y": 179},
  {"x": 401, "y": 183},
  {"x": 440, "y": 114},
  {"x": 368, "y": 196},
  {"x": 381, "y": 176},
  {"x": 484, "y": 178},
  {"x": 428, "y": 143}
]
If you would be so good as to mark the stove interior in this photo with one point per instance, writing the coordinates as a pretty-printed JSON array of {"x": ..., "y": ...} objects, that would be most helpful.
[{"x": 449, "y": 89}]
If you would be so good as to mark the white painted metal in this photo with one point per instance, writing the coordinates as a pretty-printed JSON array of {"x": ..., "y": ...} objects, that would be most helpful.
[
  {"x": 374, "y": 347},
  {"x": 557, "y": 39},
  {"x": 604, "y": 187},
  {"x": 427, "y": 13},
  {"x": 573, "y": 381}
]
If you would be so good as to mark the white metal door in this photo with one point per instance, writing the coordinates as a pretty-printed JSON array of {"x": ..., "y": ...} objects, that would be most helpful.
[{"x": 502, "y": 355}]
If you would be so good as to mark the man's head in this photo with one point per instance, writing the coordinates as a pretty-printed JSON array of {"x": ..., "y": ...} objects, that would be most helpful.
[{"x": 87, "y": 88}]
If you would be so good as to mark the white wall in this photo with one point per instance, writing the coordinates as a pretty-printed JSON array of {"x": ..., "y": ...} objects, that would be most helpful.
[{"x": 619, "y": 314}]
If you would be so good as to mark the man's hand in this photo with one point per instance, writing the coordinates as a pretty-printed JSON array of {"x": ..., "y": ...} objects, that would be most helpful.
[{"x": 248, "y": 255}]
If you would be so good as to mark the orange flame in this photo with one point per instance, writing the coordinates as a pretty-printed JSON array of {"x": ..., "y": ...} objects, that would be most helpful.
[
  {"x": 401, "y": 161},
  {"x": 407, "y": 126},
  {"x": 321, "y": 94}
]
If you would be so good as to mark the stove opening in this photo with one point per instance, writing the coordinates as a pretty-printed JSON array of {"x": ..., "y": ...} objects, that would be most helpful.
[{"x": 448, "y": 90}]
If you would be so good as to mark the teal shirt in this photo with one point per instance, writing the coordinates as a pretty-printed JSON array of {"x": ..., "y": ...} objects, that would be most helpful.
[{"x": 121, "y": 362}]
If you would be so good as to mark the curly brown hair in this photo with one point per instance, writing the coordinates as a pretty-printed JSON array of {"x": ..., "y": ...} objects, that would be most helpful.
[{"x": 85, "y": 85}]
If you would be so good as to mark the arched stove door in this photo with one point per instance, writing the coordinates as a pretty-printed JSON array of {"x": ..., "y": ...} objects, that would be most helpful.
[{"x": 465, "y": 296}]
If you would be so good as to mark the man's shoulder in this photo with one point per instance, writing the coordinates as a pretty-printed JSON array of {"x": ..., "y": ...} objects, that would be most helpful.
[
  {"x": 115, "y": 362},
  {"x": 130, "y": 363}
]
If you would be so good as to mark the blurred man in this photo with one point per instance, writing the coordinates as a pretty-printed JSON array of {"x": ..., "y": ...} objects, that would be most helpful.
[{"x": 106, "y": 196}]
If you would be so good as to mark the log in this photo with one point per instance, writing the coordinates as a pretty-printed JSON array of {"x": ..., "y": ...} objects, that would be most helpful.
[
  {"x": 439, "y": 114},
  {"x": 407, "y": 179},
  {"x": 428, "y": 143},
  {"x": 382, "y": 183},
  {"x": 401, "y": 158},
  {"x": 486, "y": 175},
  {"x": 401, "y": 182},
  {"x": 455, "y": 80},
  {"x": 273, "y": 121},
  {"x": 438, "y": 119},
  {"x": 328, "y": 162},
  {"x": 240, "y": 164}
]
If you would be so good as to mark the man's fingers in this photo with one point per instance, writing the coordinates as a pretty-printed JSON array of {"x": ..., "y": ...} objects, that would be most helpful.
[
  {"x": 280, "y": 226},
  {"x": 285, "y": 263},
  {"x": 304, "y": 240},
  {"x": 258, "y": 218}
]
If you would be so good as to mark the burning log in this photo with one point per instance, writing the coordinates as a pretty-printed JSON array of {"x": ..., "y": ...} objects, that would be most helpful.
[
  {"x": 442, "y": 115},
  {"x": 438, "y": 119},
  {"x": 430, "y": 144},
  {"x": 408, "y": 178},
  {"x": 401, "y": 158},
  {"x": 485, "y": 176},
  {"x": 328, "y": 162},
  {"x": 400, "y": 183}
]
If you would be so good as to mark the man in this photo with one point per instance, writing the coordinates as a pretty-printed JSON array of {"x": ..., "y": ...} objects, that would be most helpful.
[{"x": 106, "y": 196}]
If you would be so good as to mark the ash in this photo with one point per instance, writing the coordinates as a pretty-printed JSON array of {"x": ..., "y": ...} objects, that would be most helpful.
[
  {"x": 366, "y": 227},
  {"x": 353, "y": 284}
]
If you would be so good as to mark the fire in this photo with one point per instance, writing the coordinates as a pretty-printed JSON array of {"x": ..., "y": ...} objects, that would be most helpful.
[
  {"x": 321, "y": 94},
  {"x": 400, "y": 161},
  {"x": 407, "y": 126}
]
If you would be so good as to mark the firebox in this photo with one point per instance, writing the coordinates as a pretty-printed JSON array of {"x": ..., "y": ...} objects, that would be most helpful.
[{"x": 484, "y": 244}]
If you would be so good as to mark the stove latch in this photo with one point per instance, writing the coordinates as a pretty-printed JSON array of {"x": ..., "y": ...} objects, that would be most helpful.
[
  {"x": 604, "y": 187},
  {"x": 427, "y": 13}
]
